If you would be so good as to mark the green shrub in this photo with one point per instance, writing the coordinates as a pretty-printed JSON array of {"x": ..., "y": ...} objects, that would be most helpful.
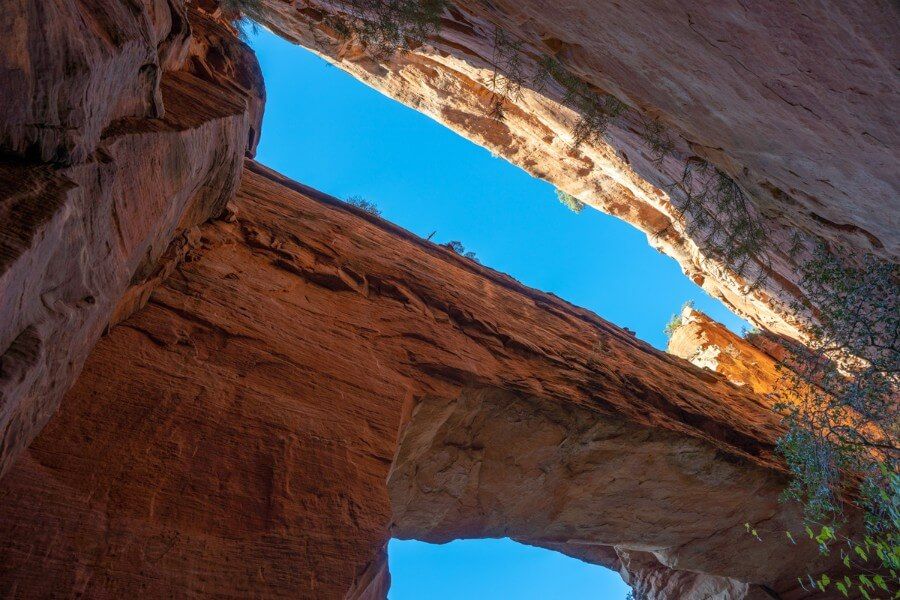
[
  {"x": 458, "y": 247},
  {"x": 657, "y": 137},
  {"x": 676, "y": 321},
  {"x": 360, "y": 202},
  {"x": 508, "y": 72},
  {"x": 594, "y": 108},
  {"x": 569, "y": 201},
  {"x": 236, "y": 8},
  {"x": 385, "y": 26},
  {"x": 243, "y": 14},
  {"x": 838, "y": 397},
  {"x": 721, "y": 221}
]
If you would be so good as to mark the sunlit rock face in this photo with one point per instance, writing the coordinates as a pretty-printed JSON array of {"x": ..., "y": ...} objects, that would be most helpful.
[
  {"x": 310, "y": 380},
  {"x": 148, "y": 128},
  {"x": 795, "y": 103},
  {"x": 751, "y": 361}
]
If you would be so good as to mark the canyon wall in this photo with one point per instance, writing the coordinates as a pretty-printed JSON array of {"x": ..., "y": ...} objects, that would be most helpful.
[
  {"x": 286, "y": 381},
  {"x": 311, "y": 380},
  {"x": 146, "y": 114},
  {"x": 794, "y": 103}
]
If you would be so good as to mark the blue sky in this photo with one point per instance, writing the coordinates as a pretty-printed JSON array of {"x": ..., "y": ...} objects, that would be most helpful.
[{"x": 328, "y": 130}]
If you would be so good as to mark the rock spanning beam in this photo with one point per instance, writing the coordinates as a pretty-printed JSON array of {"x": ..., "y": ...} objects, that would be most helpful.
[{"x": 236, "y": 435}]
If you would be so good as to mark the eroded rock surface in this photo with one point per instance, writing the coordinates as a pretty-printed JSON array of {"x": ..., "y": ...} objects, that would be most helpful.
[
  {"x": 235, "y": 436},
  {"x": 795, "y": 103},
  {"x": 75, "y": 238},
  {"x": 68, "y": 69},
  {"x": 294, "y": 381},
  {"x": 751, "y": 361}
]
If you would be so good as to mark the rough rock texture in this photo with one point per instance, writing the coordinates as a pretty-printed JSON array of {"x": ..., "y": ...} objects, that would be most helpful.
[
  {"x": 292, "y": 383},
  {"x": 710, "y": 345},
  {"x": 74, "y": 238},
  {"x": 69, "y": 68},
  {"x": 795, "y": 102},
  {"x": 234, "y": 437}
]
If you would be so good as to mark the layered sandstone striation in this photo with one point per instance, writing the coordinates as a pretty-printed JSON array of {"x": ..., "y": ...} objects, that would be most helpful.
[
  {"x": 148, "y": 127},
  {"x": 311, "y": 380},
  {"x": 794, "y": 103}
]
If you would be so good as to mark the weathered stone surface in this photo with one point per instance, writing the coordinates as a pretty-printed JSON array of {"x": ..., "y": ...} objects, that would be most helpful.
[
  {"x": 794, "y": 102},
  {"x": 710, "y": 345},
  {"x": 73, "y": 239},
  {"x": 69, "y": 68},
  {"x": 234, "y": 437}
]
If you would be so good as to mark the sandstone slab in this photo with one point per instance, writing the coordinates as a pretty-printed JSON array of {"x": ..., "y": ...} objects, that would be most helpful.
[{"x": 311, "y": 380}]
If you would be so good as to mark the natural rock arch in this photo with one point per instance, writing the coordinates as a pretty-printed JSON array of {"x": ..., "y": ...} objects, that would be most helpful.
[
  {"x": 267, "y": 356},
  {"x": 237, "y": 433}
]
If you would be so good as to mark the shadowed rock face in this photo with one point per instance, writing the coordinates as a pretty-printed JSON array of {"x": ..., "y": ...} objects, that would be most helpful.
[
  {"x": 236, "y": 435},
  {"x": 795, "y": 103},
  {"x": 80, "y": 244},
  {"x": 70, "y": 68}
]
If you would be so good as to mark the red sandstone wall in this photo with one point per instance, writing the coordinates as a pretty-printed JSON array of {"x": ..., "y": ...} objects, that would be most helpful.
[
  {"x": 151, "y": 145},
  {"x": 235, "y": 436}
]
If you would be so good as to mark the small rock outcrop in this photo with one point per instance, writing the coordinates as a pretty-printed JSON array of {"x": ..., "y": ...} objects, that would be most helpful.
[{"x": 752, "y": 360}]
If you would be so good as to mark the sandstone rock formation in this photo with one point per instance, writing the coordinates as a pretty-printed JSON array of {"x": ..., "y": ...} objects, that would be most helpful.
[
  {"x": 155, "y": 145},
  {"x": 287, "y": 381},
  {"x": 710, "y": 345},
  {"x": 792, "y": 102},
  {"x": 311, "y": 379}
]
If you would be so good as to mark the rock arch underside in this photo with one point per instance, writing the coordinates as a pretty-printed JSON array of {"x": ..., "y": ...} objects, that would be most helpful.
[{"x": 217, "y": 382}]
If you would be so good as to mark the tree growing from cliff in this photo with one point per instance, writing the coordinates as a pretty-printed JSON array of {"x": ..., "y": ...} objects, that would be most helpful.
[
  {"x": 722, "y": 220},
  {"x": 508, "y": 72},
  {"x": 657, "y": 138},
  {"x": 595, "y": 109},
  {"x": 676, "y": 320},
  {"x": 243, "y": 14},
  {"x": 839, "y": 397},
  {"x": 457, "y": 247},
  {"x": 360, "y": 202}
]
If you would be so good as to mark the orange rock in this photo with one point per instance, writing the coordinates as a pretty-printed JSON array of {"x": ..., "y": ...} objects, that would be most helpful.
[
  {"x": 710, "y": 345},
  {"x": 79, "y": 243},
  {"x": 312, "y": 379},
  {"x": 767, "y": 93}
]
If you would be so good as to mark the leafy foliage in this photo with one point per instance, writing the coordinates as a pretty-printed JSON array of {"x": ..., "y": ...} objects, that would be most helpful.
[
  {"x": 594, "y": 108},
  {"x": 676, "y": 320},
  {"x": 243, "y": 14},
  {"x": 570, "y": 201},
  {"x": 657, "y": 138},
  {"x": 236, "y": 8},
  {"x": 721, "y": 220},
  {"x": 509, "y": 72},
  {"x": 839, "y": 399},
  {"x": 360, "y": 202},
  {"x": 385, "y": 26}
]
